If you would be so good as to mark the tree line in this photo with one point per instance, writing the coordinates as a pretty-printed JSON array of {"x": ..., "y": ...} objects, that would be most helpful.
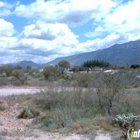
[{"x": 96, "y": 63}]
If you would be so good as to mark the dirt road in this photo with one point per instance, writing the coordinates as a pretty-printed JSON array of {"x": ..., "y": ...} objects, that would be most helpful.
[{"x": 5, "y": 91}]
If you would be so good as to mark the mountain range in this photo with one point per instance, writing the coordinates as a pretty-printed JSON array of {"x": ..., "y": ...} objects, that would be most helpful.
[{"x": 118, "y": 54}]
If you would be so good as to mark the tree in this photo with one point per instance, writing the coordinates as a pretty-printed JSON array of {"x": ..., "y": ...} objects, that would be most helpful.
[
  {"x": 18, "y": 67},
  {"x": 135, "y": 66},
  {"x": 64, "y": 64},
  {"x": 28, "y": 67},
  {"x": 51, "y": 73}
]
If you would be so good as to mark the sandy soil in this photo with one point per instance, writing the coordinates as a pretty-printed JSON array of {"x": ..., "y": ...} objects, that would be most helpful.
[{"x": 5, "y": 91}]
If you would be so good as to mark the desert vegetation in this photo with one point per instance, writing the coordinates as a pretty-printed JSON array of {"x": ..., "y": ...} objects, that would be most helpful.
[{"x": 78, "y": 99}]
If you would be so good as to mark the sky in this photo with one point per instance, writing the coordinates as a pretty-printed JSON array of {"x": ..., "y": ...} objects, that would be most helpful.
[{"x": 42, "y": 30}]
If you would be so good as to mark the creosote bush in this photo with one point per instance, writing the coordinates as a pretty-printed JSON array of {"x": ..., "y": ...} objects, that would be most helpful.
[
  {"x": 16, "y": 73},
  {"x": 51, "y": 73},
  {"x": 110, "y": 93}
]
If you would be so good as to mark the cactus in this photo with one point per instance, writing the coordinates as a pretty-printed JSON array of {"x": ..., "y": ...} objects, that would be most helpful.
[{"x": 126, "y": 122}]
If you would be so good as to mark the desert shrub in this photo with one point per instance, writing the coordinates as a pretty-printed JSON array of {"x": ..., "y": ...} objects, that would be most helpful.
[
  {"x": 65, "y": 106},
  {"x": 14, "y": 81},
  {"x": 37, "y": 75},
  {"x": 47, "y": 121},
  {"x": 2, "y": 106},
  {"x": 51, "y": 73},
  {"x": 16, "y": 73},
  {"x": 20, "y": 78},
  {"x": 112, "y": 94},
  {"x": 6, "y": 69},
  {"x": 109, "y": 90},
  {"x": 31, "y": 71},
  {"x": 3, "y": 81},
  {"x": 23, "y": 78},
  {"x": 67, "y": 76},
  {"x": 83, "y": 79}
]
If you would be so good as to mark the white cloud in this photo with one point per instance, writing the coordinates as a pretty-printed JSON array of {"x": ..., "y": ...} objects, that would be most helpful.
[
  {"x": 48, "y": 32},
  {"x": 123, "y": 21},
  {"x": 6, "y": 28},
  {"x": 5, "y": 9},
  {"x": 36, "y": 41},
  {"x": 7, "y": 42},
  {"x": 92, "y": 45},
  {"x": 72, "y": 11},
  {"x": 51, "y": 35}
]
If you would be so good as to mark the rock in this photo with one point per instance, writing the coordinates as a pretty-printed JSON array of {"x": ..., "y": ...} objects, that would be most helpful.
[{"x": 28, "y": 113}]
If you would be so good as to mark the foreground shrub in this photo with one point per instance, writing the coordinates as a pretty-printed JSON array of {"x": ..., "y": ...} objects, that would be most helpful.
[{"x": 110, "y": 93}]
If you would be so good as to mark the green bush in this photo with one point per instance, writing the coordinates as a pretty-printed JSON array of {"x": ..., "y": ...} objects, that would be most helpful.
[
  {"x": 51, "y": 73},
  {"x": 16, "y": 73}
]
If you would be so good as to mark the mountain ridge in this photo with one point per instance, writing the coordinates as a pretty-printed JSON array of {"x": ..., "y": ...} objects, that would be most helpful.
[{"x": 118, "y": 54}]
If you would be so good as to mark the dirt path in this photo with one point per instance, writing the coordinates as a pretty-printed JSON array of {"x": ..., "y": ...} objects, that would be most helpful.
[{"x": 5, "y": 91}]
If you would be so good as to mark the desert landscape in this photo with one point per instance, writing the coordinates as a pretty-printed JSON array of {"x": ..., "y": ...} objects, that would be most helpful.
[
  {"x": 69, "y": 69},
  {"x": 67, "y": 105}
]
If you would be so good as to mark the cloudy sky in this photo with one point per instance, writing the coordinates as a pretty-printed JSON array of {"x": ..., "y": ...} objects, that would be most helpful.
[{"x": 42, "y": 30}]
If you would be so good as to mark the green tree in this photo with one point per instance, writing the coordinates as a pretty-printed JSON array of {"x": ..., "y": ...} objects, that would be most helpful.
[
  {"x": 51, "y": 73},
  {"x": 28, "y": 67},
  {"x": 64, "y": 64},
  {"x": 18, "y": 67}
]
